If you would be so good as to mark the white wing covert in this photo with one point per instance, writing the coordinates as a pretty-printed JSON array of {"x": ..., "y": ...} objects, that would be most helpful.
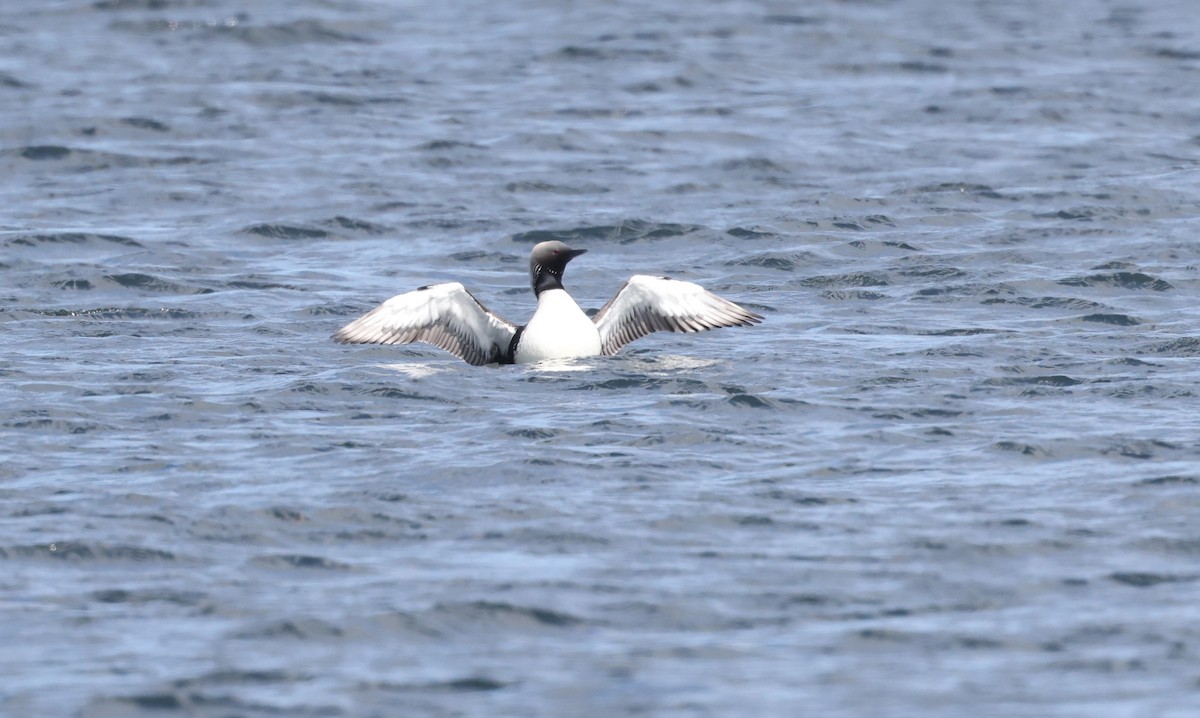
[
  {"x": 445, "y": 315},
  {"x": 648, "y": 304}
]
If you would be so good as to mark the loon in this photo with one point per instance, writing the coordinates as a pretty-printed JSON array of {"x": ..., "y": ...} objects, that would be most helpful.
[{"x": 448, "y": 316}]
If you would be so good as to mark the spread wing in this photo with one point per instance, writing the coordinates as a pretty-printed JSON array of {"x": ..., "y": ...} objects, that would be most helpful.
[
  {"x": 660, "y": 304},
  {"x": 445, "y": 315}
]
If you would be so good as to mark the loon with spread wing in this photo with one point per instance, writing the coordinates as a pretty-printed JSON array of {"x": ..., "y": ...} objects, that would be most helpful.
[{"x": 449, "y": 316}]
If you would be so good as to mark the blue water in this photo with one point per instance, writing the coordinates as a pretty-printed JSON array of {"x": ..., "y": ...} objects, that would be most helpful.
[{"x": 955, "y": 471}]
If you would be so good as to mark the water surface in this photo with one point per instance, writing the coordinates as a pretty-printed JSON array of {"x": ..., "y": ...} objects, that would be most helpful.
[{"x": 955, "y": 470}]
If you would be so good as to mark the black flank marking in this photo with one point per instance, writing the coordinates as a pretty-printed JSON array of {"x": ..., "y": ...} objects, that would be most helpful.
[{"x": 511, "y": 357}]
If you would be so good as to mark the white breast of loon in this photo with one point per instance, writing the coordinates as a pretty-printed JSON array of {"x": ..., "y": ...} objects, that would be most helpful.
[{"x": 557, "y": 330}]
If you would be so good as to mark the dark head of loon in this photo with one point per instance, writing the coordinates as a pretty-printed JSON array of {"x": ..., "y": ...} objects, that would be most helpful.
[{"x": 547, "y": 262}]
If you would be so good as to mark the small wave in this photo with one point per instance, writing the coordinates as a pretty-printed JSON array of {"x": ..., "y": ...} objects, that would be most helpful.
[
  {"x": 165, "y": 701},
  {"x": 137, "y": 4},
  {"x": 534, "y": 434},
  {"x": 178, "y": 598},
  {"x": 285, "y": 231},
  {"x": 610, "y": 52},
  {"x": 300, "y": 561},
  {"x": 33, "y": 240},
  {"x": 935, "y": 413},
  {"x": 83, "y": 160},
  {"x": 922, "y": 66},
  {"x": 854, "y": 279},
  {"x": 1046, "y": 380},
  {"x": 150, "y": 283},
  {"x": 441, "y": 145},
  {"x": 83, "y": 551},
  {"x": 1124, "y": 280},
  {"x": 860, "y": 295},
  {"x": 793, "y": 20},
  {"x": 628, "y": 231},
  {"x": 499, "y": 613},
  {"x": 666, "y": 382},
  {"x": 1141, "y": 449},
  {"x": 7, "y": 80},
  {"x": 120, "y": 313},
  {"x": 1171, "y": 480},
  {"x": 476, "y": 254},
  {"x": 750, "y": 233},
  {"x": 45, "y": 152},
  {"x": 298, "y": 32},
  {"x": 324, "y": 229},
  {"x": 1139, "y": 579},
  {"x": 885, "y": 245},
  {"x": 72, "y": 284},
  {"x": 667, "y": 363},
  {"x": 1084, "y": 214},
  {"x": 805, "y": 499},
  {"x": 145, "y": 123},
  {"x": 258, "y": 284},
  {"x": 754, "y": 164},
  {"x": 1182, "y": 347},
  {"x": 933, "y": 272},
  {"x": 781, "y": 262},
  {"x": 1174, "y": 53},
  {"x": 1072, "y": 303},
  {"x": 1120, "y": 320},
  {"x": 358, "y": 226},
  {"x": 552, "y": 188},
  {"x": 391, "y": 392},
  {"x": 1020, "y": 448},
  {"x": 46, "y": 424},
  {"x": 957, "y": 332},
  {"x": 978, "y": 190},
  {"x": 470, "y": 684},
  {"x": 749, "y": 401},
  {"x": 300, "y": 629}
]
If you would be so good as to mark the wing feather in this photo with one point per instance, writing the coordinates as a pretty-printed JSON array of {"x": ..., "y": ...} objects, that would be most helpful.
[
  {"x": 646, "y": 304},
  {"x": 445, "y": 315}
]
